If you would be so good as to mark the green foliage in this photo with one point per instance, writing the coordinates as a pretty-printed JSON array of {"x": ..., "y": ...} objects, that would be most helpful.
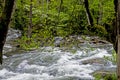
[
  {"x": 107, "y": 76},
  {"x": 103, "y": 9},
  {"x": 99, "y": 30},
  {"x": 28, "y": 43},
  {"x": 49, "y": 19},
  {"x": 112, "y": 58},
  {"x": 42, "y": 37},
  {"x": 1, "y": 6}
]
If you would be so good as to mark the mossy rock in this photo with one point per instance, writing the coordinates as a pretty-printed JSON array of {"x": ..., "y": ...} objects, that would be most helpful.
[
  {"x": 104, "y": 75},
  {"x": 98, "y": 29}
]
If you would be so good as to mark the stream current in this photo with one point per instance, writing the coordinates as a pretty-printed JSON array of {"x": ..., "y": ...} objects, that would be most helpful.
[{"x": 48, "y": 63}]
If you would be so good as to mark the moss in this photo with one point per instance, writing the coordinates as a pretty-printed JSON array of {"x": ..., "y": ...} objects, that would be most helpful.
[
  {"x": 105, "y": 75},
  {"x": 98, "y": 30}
]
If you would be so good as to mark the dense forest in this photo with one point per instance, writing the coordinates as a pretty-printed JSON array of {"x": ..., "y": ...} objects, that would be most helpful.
[
  {"x": 62, "y": 18},
  {"x": 40, "y": 21}
]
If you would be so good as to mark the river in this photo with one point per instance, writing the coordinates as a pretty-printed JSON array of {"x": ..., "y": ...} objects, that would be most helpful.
[{"x": 57, "y": 63}]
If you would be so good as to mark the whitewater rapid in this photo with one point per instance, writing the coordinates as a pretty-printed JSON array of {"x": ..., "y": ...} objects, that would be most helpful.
[{"x": 54, "y": 63}]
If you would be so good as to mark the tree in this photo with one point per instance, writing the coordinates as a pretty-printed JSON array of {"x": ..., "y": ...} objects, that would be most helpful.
[
  {"x": 4, "y": 23},
  {"x": 116, "y": 32},
  {"x": 100, "y": 12},
  {"x": 115, "y": 26},
  {"x": 118, "y": 38},
  {"x": 30, "y": 23},
  {"x": 89, "y": 16}
]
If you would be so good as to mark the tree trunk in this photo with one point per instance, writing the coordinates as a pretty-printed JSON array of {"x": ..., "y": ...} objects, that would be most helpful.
[
  {"x": 89, "y": 16},
  {"x": 100, "y": 13},
  {"x": 118, "y": 59},
  {"x": 114, "y": 33},
  {"x": 30, "y": 26},
  {"x": 4, "y": 22},
  {"x": 47, "y": 7},
  {"x": 118, "y": 39},
  {"x": 59, "y": 9}
]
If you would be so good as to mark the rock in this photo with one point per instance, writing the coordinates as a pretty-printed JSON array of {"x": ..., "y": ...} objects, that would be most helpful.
[
  {"x": 93, "y": 61},
  {"x": 57, "y": 41},
  {"x": 107, "y": 75},
  {"x": 76, "y": 40}
]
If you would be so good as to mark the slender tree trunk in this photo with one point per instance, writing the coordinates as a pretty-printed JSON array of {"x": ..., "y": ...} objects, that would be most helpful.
[
  {"x": 115, "y": 5},
  {"x": 116, "y": 32},
  {"x": 115, "y": 25},
  {"x": 89, "y": 16},
  {"x": 118, "y": 59},
  {"x": 30, "y": 23},
  {"x": 118, "y": 40},
  {"x": 60, "y": 7},
  {"x": 100, "y": 12},
  {"x": 47, "y": 7},
  {"x": 42, "y": 6},
  {"x": 4, "y": 22}
]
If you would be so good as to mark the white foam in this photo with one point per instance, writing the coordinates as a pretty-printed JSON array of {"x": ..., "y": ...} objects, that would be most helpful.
[
  {"x": 23, "y": 64},
  {"x": 4, "y": 57},
  {"x": 64, "y": 58},
  {"x": 100, "y": 54},
  {"x": 3, "y": 72},
  {"x": 8, "y": 75},
  {"x": 81, "y": 75},
  {"x": 27, "y": 76}
]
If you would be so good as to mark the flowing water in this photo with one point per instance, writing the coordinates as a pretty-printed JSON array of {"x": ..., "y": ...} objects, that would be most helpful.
[{"x": 56, "y": 63}]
